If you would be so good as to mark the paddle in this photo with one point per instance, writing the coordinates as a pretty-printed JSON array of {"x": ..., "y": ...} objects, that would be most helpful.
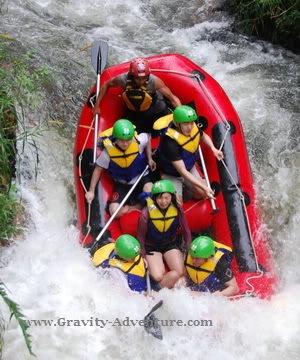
[
  {"x": 117, "y": 210},
  {"x": 98, "y": 59},
  {"x": 213, "y": 204},
  {"x": 151, "y": 324}
]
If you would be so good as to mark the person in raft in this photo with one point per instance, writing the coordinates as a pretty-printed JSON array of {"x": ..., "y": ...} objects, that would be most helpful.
[
  {"x": 208, "y": 267},
  {"x": 125, "y": 156},
  {"x": 161, "y": 227},
  {"x": 179, "y": 151},
  {"x": 143, "y": 94},
  {"x": 124, "y": 260}
]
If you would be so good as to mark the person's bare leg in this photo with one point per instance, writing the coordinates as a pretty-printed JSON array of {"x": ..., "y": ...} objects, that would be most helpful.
[
  {"x": 147, "y": 187},
  {"x": 124, "y": 209},
  {"x": 158, "y": 272},
  {"x": 174, "y": 260},
  {"x": 156, "y": 265},
  {"x": 169, "y": 279}
]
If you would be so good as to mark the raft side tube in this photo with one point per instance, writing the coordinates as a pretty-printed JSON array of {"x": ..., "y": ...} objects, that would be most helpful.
[{"x": 237, "y": 220}]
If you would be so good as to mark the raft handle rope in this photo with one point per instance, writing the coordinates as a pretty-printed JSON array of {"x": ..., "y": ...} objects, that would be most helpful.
[
  {"x": 99, "y": 50},
  {"x": 227, "y": 126},
  {"x": 260, "y": 273},
  {"x": 80, "y": 173},
  {"x": 112, "y": 216},
  {"x": 192, "y": 206},
  {"x": 242, "y": 197},
  {"x": 203, "y": 88},
  {"x": 82, "y": 183}
]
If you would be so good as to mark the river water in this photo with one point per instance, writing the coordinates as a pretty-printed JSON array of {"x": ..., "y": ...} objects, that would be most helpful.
[{"x": 50, "y": 275}]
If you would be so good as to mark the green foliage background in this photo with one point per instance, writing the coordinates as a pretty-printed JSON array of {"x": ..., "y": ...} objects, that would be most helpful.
[
  {"x": 20, "y": 85},
  {"x": 277, "y": 21}
]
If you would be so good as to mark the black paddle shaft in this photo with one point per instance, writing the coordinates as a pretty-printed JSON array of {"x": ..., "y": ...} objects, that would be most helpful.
[{"x": 155, "y": 307}]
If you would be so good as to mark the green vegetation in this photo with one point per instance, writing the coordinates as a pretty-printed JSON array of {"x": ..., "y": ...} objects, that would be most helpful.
[
  {"x": 16, "y": 312},
  {"x": 277, "y": 21},
  {"x": 9, "y": 208},
  {"x": 20, "y": 85}
]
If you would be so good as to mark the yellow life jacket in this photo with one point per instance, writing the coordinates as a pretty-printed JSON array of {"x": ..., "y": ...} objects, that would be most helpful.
[
  {"x": 189, "y": 143},
  {"x": 163, "y": 122},
  {"x": 136, "y": 99},
  {"x": 103, "y": 254},
  {"x": 199, "y": 274},
  {"x": 122, "y": 158},
  {"x": 161, "y": 222}
]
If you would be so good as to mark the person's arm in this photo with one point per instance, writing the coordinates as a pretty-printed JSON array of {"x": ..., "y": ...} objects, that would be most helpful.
[
  {"x": 208, "y": 142},
  {"x": 185, "y": 228},
  {"x": 113, "y": 82},
  {"x": 231, "y": 288},
  {"x": 148, "y": 152},
  {"x": 145, "y": 146},
  {"x": 181, "y": 169},
  {"x": 224, "y": 273},
  {"x": 166, "y": 92},
  {"x": 94, "y": 181},
  {"x": 142, "y": 230}
]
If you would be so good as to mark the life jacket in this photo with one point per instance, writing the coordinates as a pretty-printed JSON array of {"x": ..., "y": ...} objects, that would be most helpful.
[
  {"x": 124, "y": 165},
  {"x": 138, "y": 98},
  {"x": 162, "y": 226},
  {"x": 203, "y": 278},
  {"x": 135, "y": 272},
  {"x": 189, "y": 148}
]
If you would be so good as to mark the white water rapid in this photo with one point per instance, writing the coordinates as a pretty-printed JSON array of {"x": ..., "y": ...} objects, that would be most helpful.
[{"x": 47, "y": 272}]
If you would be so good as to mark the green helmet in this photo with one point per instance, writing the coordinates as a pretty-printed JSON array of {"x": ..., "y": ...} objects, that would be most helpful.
[
  {"x": 184, "y": 114},
  {"x": 127, "y": 247},
  {"x": 202, "y": 247},
  {"x": 162, "y": 186},
  {"x": 123, "y": 129}
]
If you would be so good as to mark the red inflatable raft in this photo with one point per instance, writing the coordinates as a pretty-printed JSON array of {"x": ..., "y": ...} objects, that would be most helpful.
[{"x": 236, "y": 220}]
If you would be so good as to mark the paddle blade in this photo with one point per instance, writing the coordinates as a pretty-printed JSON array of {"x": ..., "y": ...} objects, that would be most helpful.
[
  {"x": 152, "y": 326},
  {"x": 151, "y": 323},
  {"x": 99, "y": 55}
]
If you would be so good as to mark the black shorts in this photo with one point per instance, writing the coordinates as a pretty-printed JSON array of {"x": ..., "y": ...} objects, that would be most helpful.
[
  {"x": 144, "y": 120},
  {"x": 121, "y": 190},
  {"x": 163, "y": 248}
]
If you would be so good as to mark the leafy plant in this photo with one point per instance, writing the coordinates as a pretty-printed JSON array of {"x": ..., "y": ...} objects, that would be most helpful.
[
  {"x": 16, "y": 312},
  {"x": 20, "y": 85},
  {"x": 9, "y": 209},
  {"x": 275, "y": 20}
]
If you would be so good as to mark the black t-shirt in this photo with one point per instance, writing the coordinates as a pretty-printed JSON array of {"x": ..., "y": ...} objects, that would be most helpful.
[
  {"x": 170, "y": 149},
  {"x": 223, "y": 270}
]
